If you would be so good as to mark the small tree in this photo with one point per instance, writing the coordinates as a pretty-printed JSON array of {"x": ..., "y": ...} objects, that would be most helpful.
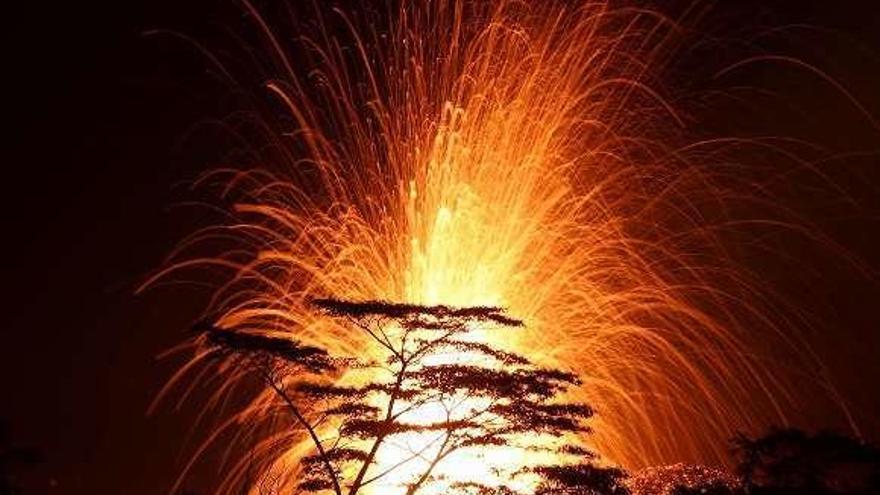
[
  {"x": 793, "y": 461},
  {"x": 487, "y": 398}
]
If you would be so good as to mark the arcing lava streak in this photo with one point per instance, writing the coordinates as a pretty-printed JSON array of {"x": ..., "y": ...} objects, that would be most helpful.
[{"x": 512, "y": 154}]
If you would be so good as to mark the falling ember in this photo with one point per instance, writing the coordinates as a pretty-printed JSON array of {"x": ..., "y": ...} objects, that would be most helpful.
[{"x": 506, "y": 154}]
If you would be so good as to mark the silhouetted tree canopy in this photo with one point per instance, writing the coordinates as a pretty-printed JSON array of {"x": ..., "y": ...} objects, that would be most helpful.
[
  {"x": 579, "y": 479},
  {"x": 792, "y": 461},
  {"x": 486, "y": 397}
]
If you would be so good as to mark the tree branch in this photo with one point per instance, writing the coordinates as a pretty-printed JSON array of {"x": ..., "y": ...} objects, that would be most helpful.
[{"x": 311, "y": 431}]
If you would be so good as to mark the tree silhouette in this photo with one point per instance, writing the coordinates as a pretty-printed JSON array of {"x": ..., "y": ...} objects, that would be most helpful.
[
  {"x": 792, "y": 461},
  {"x": 429, "y": 358}
]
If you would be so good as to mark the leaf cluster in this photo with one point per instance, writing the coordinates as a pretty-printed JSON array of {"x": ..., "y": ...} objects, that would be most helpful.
[{"x": 488, "y": 397}]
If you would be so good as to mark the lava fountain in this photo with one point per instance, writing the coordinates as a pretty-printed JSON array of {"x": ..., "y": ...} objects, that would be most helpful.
[{"x": 499, "y": 153}]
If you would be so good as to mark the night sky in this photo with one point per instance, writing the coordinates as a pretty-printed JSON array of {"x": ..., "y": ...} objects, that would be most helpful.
[{"x": 96, "y": 154}]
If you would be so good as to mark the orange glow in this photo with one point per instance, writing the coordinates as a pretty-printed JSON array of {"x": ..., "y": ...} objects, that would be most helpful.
[{"x": 510, "y": 154}]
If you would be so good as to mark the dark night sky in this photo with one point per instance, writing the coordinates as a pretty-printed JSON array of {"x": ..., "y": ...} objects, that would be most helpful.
[{"x": 95, "y": 116}]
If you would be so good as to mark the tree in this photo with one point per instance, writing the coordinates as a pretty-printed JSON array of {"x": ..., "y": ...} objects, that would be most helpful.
[
  {"x": 429, "y": 358},
  {"x": 793, "y": 461}
]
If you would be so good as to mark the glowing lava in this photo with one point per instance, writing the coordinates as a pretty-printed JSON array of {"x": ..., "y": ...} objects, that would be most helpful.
[{"x": 499, "y": 153}]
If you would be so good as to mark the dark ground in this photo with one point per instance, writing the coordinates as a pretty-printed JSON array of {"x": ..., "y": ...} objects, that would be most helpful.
[{"x": 95, "y": 115}]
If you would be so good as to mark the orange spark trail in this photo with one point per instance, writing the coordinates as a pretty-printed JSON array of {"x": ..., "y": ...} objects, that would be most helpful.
[{"x": 510, "y": 154}]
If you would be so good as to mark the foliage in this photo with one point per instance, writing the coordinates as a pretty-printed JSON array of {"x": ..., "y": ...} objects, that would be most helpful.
[
  {"x": 792, "y": 461},
  {"x": 486, "y": 397}
]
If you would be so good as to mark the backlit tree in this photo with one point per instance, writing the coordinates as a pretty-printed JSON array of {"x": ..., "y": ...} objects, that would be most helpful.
[{"x": 437, "y": 391}]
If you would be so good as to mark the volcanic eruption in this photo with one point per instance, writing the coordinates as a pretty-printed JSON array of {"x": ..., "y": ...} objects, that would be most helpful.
[{"x": 519, "y": 155}]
